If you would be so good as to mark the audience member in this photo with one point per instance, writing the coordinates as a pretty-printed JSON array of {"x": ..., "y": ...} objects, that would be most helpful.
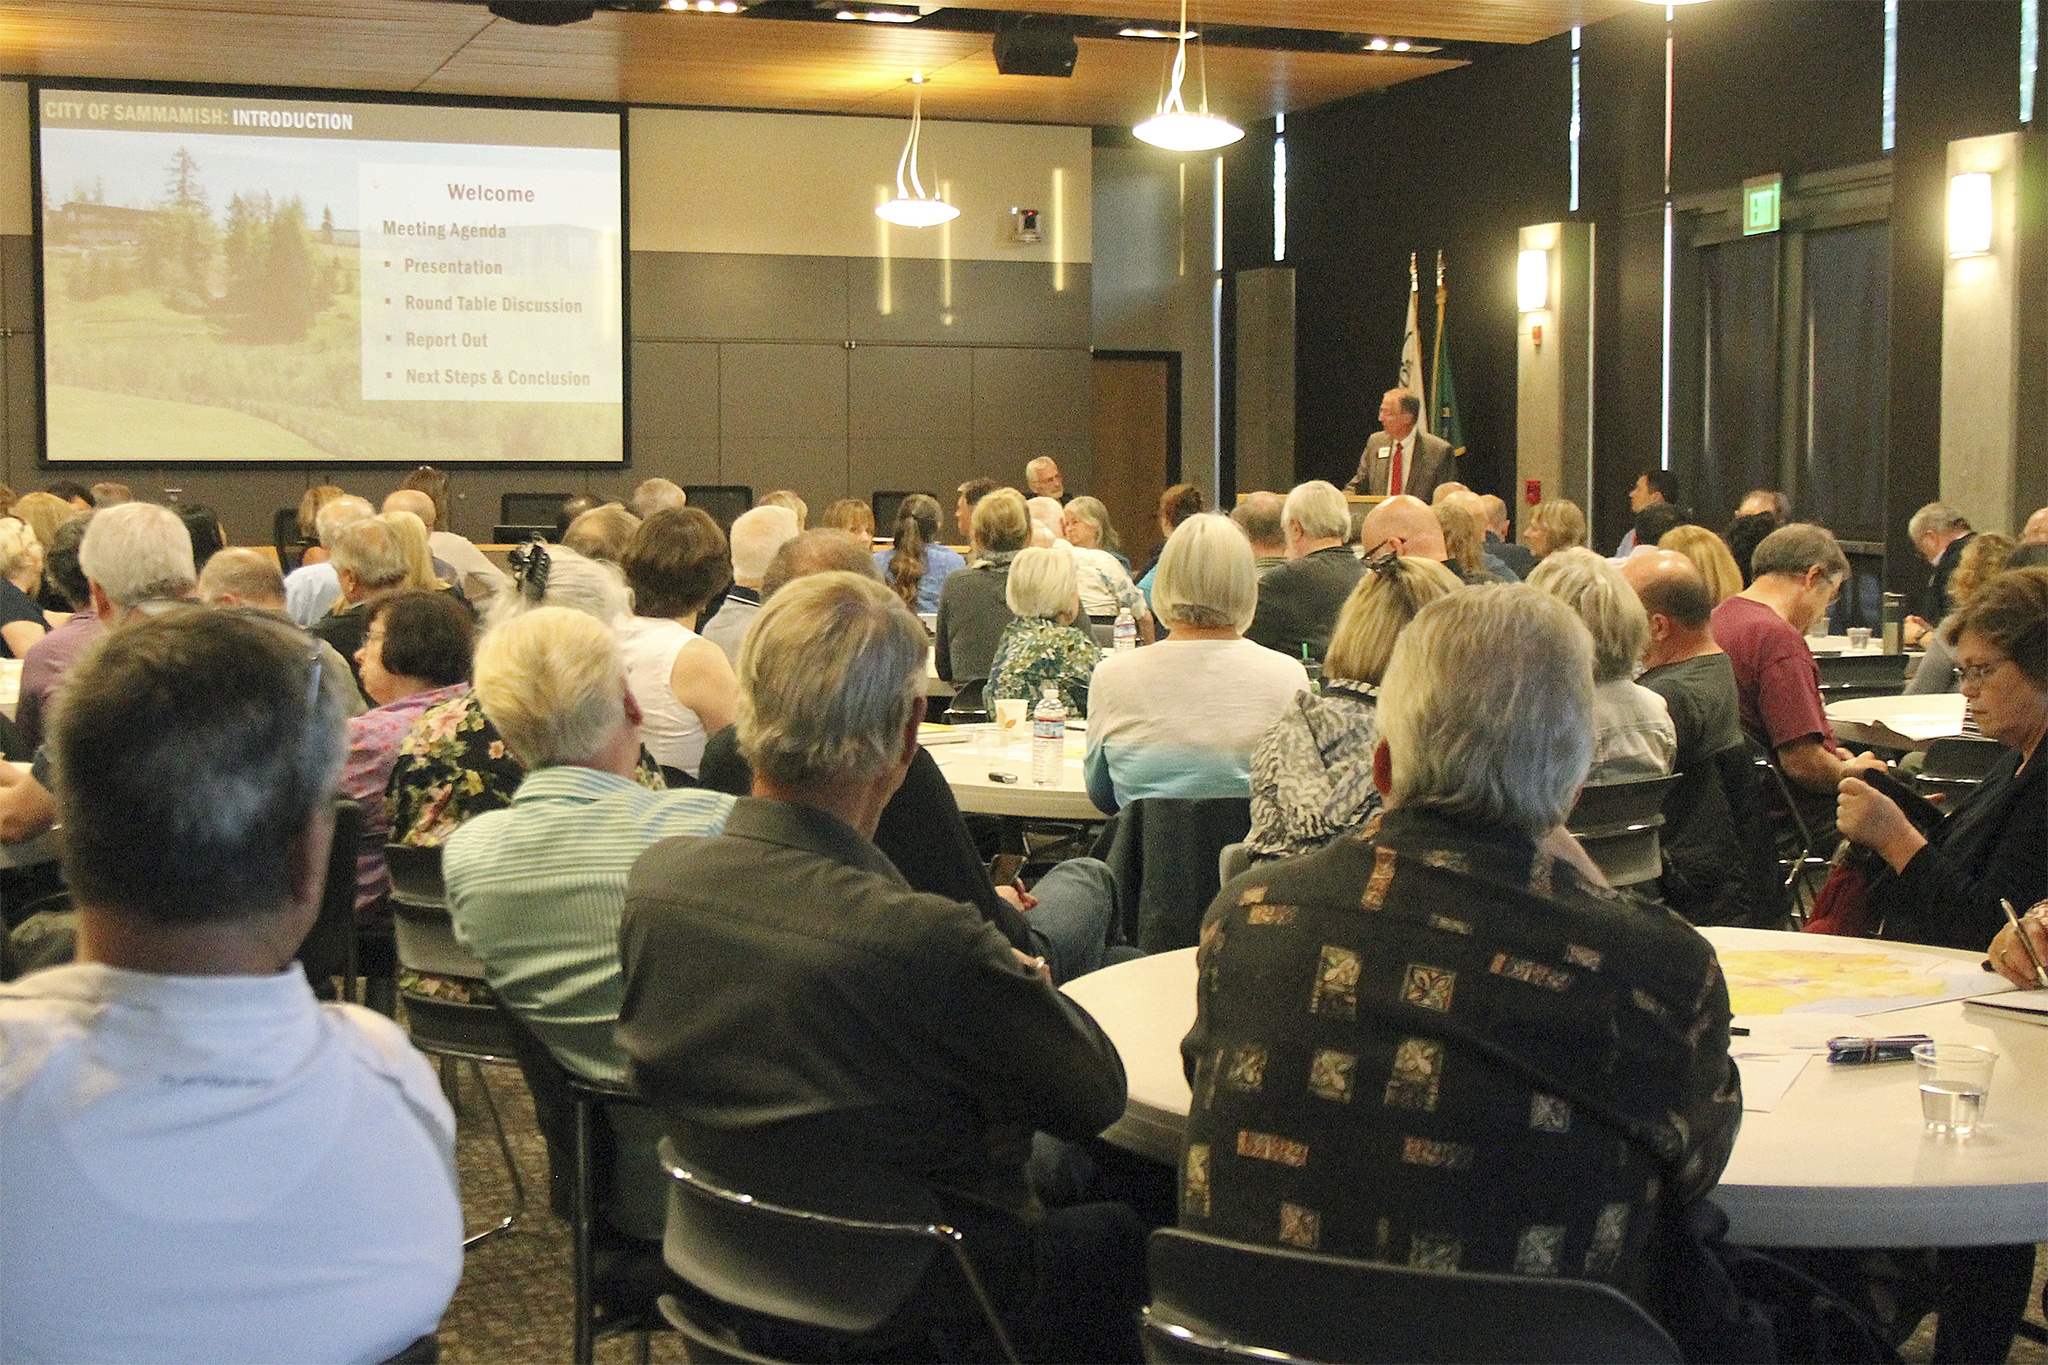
[
  {"x": 1632, "y": 731},
  {"x": 756, "y": 535},
  {"x": 782, "y": 497},
  {"x": 248, "y": 579},
  {"x": 1709, "y": 554},
  {"x": 1485, "y": 560},
  {"x": 1517, "y": 558},
  {"x": 1261, "y": 516},
  {"x": 821, "y": 551},
  {"x": 1716, "y": 869},
  {"x": 1042, "y": 478},
  {"x": 1176, "y": 505},
  {"x": 1445, "y": 489},
  {"x": 1085, "y": 525},
  {"x": 572, "y": 508},
  {"x": 1743, "y": 535},
  {"x": 974, "y": 603},
  {"x": 658, "y": 495},
  {"x": 259, "y": 1173},
  {"x": 537, "y": 889},
  {"x": 931, "y": 1047},
  {"x": 1181, "y": 718},
  {"x": 369, "y": 560},
  {"x": 1554, "y": 524},
  {"x": 683, "y": 686},
  {"x": 1656, "y": 521},
  {"x": 1298, "y": 602},
  {"x": 1103, "y": 576},
  {"x": 463, "y": 564},
  {"x": 1405, "y": 1043},
  {"x": 1047, "y": 521},
  {"x": 1041, "y": 645},
  {"x": 1405, "y": 526},
  {"x": 1398, "y": 458},
  {"x": 453, "y": 764},
  {"x": 852, "y": 516},
  {"x": 49, "y": 660},
  {"x": 73, "y": 492},
  {"x": 1981, "y": 560},
  {"x": 970, "y": 495},
  {"x": 415, "y": 655},
  {"x": 602, "y": 533},
  {"x": 1652, "y": 486},
  {"x": 2036, "y": 531},
  {"x": 107, "y": 493},
  {"x": 1766, "y": 502},
  {"x": 1939, "y": 533},
  {"x": 44, "y": 513},
  {"x": 1797, "y": 571},
  {"x": 1464, "y": 542},
  {"x": 311, "y": 501},
  {"x": 311, "y": 589},
  {"x": 916, "y": 566},
  {"x": 203, "y": 525},
  {"x": 423, "y": 573},
  {"x": 22, "y": 623},
  {"x": 1312, "y": 772}
]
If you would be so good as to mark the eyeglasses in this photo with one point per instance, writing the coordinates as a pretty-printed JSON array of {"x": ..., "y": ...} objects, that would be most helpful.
[{"x": 1973, "y": 675}]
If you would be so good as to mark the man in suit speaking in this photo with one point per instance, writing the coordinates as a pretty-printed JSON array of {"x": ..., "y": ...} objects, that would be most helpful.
[{"x": 1398, "y": 458}]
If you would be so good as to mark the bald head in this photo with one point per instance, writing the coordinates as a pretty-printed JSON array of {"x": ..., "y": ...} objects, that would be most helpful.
[
  {"x": 821, "y": 551},
  {"x": 1445, "y": 490},
  {"x": 2037, "y": 529},
  {"x": 1680, "y": 606},
  {"x": 1405, "y": 525},
  {"x": 413, "y": 501},
  {"x": 1494, "y": 513}
]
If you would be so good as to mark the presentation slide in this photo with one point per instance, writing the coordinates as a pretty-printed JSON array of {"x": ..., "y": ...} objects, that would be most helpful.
[{"x": 227, "y": 278}]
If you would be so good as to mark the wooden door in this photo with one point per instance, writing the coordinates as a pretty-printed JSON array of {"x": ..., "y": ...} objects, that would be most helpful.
[{"x": 1136, "y": 442}]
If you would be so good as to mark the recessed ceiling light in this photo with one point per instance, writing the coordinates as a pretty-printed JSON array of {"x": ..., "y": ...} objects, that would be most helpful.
[
  {"x": 880, "y": 16},
  {"x": 1170, "y": 35},
  {"x": 1379, "y": 45},
  {"x": 1402, "y": 44}
]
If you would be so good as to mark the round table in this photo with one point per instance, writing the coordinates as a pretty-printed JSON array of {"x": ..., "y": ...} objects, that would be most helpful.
[
  {"x": 968, "y": 763},
  {"x": 1841, "y": 1161},
  {"x": 1910, "y": 722}
]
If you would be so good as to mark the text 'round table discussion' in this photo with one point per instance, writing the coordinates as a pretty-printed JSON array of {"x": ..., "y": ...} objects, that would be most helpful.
[{"x": 1829, "y": 1155}]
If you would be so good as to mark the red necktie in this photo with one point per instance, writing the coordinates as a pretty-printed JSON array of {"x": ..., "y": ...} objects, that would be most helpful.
[{"x": 1394, "y": 474}]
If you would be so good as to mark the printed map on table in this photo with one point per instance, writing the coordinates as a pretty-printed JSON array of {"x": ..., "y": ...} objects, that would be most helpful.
[{"x": 1813, "y": 981}]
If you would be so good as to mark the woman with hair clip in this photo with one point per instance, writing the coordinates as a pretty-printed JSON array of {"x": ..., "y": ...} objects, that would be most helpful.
[
  {"x": 1312, "y": 773},
  {"x": 915, "y": 568}
]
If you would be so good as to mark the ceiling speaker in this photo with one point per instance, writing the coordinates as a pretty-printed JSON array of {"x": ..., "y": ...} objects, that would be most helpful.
[{"x": 1025, "y": 49}]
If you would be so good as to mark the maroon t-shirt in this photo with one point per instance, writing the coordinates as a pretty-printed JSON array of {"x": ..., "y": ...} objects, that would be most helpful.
[{"x": 1775, "y": 676}]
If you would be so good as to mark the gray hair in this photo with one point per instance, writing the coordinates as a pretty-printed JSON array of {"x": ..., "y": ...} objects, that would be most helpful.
[
  {"x": 373, "y": 552},
  {"x": 658, "y": 495},
  {"x": 1259, "y": 517},
  {"x": 553, "y": 682},
  {"x": 1796, "y": 549},
  {"x": 248, "y": 576},
  {"x": 190, "y": 749},
  {"x": 1091, "y": 510},
  {"x": 1936, "y": 518},
  {"x": 1480, "y": 743},
  {"x": 138, "y": 552},
  {"x": 830, "y": 673},
  {"x": 1613, "y": 614},
  {"x": 756, "y": 535},
  {"x": 1041, "y": 583},
  {"x": 1207, "y": 577},
  {"x": 574, "y": 582},
  {"x": 336, "y": 513},
  {"x": 1319, "y": 509}
]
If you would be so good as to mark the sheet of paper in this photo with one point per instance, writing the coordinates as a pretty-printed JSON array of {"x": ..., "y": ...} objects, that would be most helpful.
[
  {"x": 1767, "y": 1075},
  {"x": 1822, "y": 980}
]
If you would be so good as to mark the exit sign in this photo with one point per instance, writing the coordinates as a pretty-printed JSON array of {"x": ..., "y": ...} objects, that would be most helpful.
[{"x": 1762, "y": 196}]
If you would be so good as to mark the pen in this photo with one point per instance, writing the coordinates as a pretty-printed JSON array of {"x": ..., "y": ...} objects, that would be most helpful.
[{"x": 2040, "y": 972}]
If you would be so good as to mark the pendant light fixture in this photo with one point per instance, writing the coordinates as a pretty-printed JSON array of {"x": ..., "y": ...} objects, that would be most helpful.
[
  {"x": 912, "y": 207},
  {"x": 1173, "y": 127}
]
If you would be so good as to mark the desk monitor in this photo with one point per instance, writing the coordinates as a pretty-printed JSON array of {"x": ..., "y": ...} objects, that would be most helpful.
[{"x": 326, "y": 280}]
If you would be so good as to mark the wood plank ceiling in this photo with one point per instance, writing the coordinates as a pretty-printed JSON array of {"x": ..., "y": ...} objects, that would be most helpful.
[{"x": 736, "y": 61}]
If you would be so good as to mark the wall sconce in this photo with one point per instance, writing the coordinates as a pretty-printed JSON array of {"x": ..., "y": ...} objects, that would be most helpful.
[
  {"x": 1532, "y": 280},
  {"x": 1969, "y": 214}
]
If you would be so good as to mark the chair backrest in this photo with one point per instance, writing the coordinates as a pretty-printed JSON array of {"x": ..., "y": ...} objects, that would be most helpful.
[
  {"x": 531, "y": 509},
  {"x": 1166, "y": 853},
  {"x": 1845, "y": 677},
  {"x": 722, "y": 502},
  {"x": 1234, "y": 859},
  {"x": 1214, "y": 1299},
  {"x": 1961, "y": 758},
  {"x": 416, "y": 875},
  {"x": 329, "y": 948},
  {"x": 851, "y": 1272},
  {"x": 1742, "y": 782},
  {"x": 1617, "y": 823},
  {"x": 284, "y": 534}
]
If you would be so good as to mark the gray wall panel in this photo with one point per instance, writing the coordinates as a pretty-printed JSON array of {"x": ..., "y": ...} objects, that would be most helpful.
[
  {"x": 675, "y": 411},
  {"x": 992, "y": 303},
  {"x": 17, "y": 282},
  {"x": 815, "y": 470},
  {"x": 927, "y": 464},
  {"x": 1036, "y": 403},
  {"x": 911, "y": 391},
  {"x": 691, "y": 296},
  {"x": 782, "y": 393}
]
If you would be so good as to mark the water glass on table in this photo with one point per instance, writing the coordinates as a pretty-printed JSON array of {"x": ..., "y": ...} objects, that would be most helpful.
[
  {"x": 1859, "y": 639},
  {"x": 1955, "y": 1082}
]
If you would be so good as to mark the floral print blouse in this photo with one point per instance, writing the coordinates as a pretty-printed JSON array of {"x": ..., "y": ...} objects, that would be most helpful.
[{"x": 1034, "y": 651}]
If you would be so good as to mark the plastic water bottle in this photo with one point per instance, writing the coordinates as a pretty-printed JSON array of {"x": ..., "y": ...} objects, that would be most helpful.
[
  {"x": 1048, "y": 738},
  {"x": 1124, "y": 634}
]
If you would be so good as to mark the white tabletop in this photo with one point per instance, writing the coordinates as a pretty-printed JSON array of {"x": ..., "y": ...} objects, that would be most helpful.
[
  {"x": 10, "y": 685},
  {"x": 1841, "y": 1160},
  {"x": 969, "y": 763},
  {"x": 1898, "y": 722}
]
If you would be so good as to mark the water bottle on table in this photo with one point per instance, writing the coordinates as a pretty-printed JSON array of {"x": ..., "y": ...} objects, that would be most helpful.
[
  {"x": 1124, "y": 634},
  {"x": 1048, "y": 738}
]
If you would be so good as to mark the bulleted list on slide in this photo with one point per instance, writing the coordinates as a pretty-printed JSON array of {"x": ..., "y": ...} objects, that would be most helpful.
[{"x": 490, "y": 285}]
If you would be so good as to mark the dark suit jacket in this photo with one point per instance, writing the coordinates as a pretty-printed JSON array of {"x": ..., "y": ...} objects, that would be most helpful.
[
  {"x": 792, "y": 1004},
  {"x": 1934, "y": 603},
  {"x": 1432, "y": 464},
  {"x": 1299, "y": 601},
  {"x": 1516, "y": 557}
]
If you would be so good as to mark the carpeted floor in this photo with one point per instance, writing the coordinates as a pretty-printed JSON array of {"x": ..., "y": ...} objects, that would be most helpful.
[{"x": 513, "y": 1305}]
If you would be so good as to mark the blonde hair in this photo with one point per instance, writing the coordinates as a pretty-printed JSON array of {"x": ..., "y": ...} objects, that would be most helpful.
[
  {"x": 782, "y": 497},
  {"x": 553, "y": 682},
  {"x": 411, "y": 535},
  {"x": 853, "y": 516},
  {"x": 830, "y": 674},
  {"x": 18, "y": 544},
  {"x": 1464, "y": 535},
  {"x": 1207, "y": 577},
  {"x": 44, "y": 513},
  {"x": 1377, "y": 610},
  {"x": 1710, "y": 555},
  {"x": 1001, "y": 522},
  {"x": 1595, "y": 589},
  {"x": 1041, "y": 583},
  {"x": 1562, "y": 521},
  {"x": 602, "y": 533},
  {"x": 1980, "y": 561}
]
